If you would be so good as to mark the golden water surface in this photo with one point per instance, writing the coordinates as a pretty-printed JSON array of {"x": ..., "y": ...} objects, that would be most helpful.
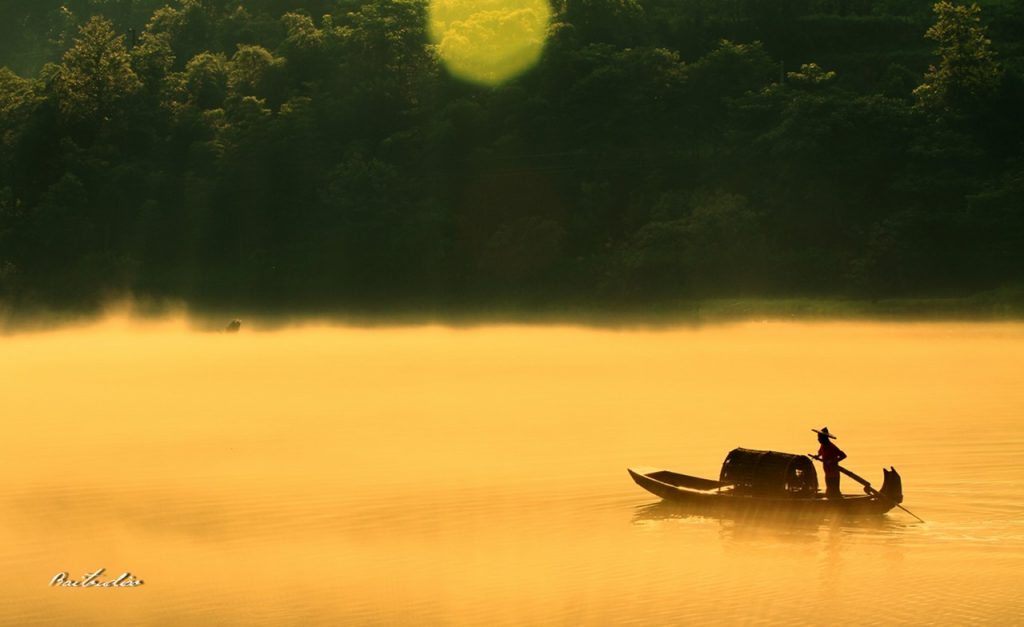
[{"x": 325, "y": 475}]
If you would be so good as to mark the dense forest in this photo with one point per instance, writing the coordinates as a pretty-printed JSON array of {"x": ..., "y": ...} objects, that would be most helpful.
[{"x": 319, "y": 155}]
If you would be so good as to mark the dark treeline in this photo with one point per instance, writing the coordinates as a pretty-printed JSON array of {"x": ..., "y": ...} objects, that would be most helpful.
[{"x": 315, "y": 154}]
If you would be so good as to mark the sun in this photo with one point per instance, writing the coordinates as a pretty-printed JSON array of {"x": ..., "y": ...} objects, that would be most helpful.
[{"x": 489, "y": 41}]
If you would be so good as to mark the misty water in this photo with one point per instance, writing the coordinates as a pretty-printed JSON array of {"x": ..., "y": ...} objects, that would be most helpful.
[{"x": 329, "y": 475}]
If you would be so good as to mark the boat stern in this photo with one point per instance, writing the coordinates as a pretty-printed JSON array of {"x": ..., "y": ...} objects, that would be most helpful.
[{"x": 892, "y": 485}]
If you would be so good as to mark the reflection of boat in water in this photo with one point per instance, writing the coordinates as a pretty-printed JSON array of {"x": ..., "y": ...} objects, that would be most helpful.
[
  {"x": 774, "y": 525},
  {"x": 752, "y": 481}
]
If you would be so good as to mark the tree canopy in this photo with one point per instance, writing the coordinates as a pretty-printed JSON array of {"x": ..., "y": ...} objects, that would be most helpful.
[{"x": 335, "y": 154}]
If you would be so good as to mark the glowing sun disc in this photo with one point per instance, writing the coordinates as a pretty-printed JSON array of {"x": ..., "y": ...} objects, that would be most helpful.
[{"x": 489, "y": 41}]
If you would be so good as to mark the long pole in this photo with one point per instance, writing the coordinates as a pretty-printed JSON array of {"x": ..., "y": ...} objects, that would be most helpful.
[{"x": 867, "y": 486}]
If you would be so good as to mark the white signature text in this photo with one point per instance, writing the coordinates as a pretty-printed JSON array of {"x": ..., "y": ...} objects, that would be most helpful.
[{"x": 92, "y": 580}]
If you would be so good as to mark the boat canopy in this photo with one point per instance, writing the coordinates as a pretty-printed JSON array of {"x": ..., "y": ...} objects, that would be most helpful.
[{"x": 768, "y": 473}]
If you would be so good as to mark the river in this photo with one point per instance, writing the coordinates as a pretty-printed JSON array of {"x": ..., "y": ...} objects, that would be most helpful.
[{"x": 328, "y": 475}]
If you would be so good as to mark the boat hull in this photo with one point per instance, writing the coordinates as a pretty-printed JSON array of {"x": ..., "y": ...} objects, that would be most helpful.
[{"x": 704, "y": 495}]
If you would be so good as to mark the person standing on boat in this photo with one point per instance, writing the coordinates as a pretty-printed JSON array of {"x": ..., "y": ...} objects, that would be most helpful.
[{"x": 830, "y": 455}]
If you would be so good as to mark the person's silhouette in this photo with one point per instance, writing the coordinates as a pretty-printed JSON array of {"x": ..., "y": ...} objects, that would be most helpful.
[{"x": 830, "y": 456}]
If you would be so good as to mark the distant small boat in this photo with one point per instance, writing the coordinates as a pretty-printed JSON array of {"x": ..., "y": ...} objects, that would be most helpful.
[{"x": 753, "y": 480}]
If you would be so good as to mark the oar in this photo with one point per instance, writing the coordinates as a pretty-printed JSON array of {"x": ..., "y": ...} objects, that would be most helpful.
[{"x": 867, "y": 486}]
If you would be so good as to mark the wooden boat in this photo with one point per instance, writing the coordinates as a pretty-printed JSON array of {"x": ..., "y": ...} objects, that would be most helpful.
[{"x": 765, "y": 481}]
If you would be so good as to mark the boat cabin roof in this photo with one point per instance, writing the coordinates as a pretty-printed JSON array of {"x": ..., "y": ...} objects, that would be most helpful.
[{"x": 769, "y": 473}]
